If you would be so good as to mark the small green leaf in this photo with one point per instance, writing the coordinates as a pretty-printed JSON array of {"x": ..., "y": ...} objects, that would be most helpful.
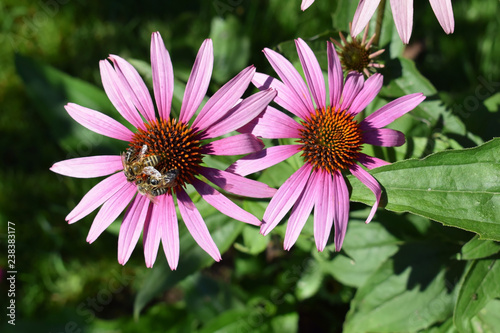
[
  {"x": 481, "y": 285},
  {"x": 477, "y": 248},
  {"x": 459, "y": 188}
]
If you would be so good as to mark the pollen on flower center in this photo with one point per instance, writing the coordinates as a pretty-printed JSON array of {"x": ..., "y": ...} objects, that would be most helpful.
[
  {"x": 175, "y": 144},
  {"x": 331, "y": 139}
]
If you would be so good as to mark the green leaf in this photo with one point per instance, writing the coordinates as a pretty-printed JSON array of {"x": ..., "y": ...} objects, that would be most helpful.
[
  {"x": 253, "y": 241},
  {"x": 477, "y": 248},
  {"x": 458, "y": 188},
  {"x": 224, "y": 231},
  {"x": 481, "y": 285},
  {"x": 488, "y": 319},
  {"x": 410, "y": 291}
]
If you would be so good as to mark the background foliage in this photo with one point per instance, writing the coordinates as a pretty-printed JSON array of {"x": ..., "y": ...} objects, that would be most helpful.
[{"x": 401, "y": 273}]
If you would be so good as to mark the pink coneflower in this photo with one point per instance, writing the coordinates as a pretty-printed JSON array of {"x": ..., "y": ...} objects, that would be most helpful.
[
  {"x": 402, "y": 11},
  {"x": 174, "y": 149},
  {"x": 329, "y": 138}
]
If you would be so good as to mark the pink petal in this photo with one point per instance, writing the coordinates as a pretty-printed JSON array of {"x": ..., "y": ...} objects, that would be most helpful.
[
  {"x": 224, "y": 99},
  {"x": 312, "y": 72},
  {"x": 196, "y": 226},
  {"x": 263, "y": 159},
  {"x": 131, "y": 227},
  {"x": 285, "y": 198},
  {"x": 305, "y": 4},
  {"x": 370, "y": 89},
  {"x": 402, "y": 12},
  {"x": 163, "y": 75},
  {"x": 340, "y": 208},
  {"x": 444, "y": 13},
  {"x": 323, "y": 210},
  {"x": 110, "y": 210},
  {"x": 291, "y": 78},
  {"x": 353, "y": 85},
  {"x": 335, "y": 75},
  {"x": 233, "y": 145},
  {"x": 391, "y": 111},
  {"x": 237, "y": 184},
  {"x": 88, "y": 167},
  {"x": 384, "y": 137},
  {"x": 301, "y": 210},
  {"x": 371, "y": 183},
  {"x": 167, "y": 218},
  {"x": 198, "y": 81},
  {"x": 97, "y": 196},
  {"x": 286, "y": 97},
  {"x": 371, "y": 162},
  {"x": 223, "y": 204},
  {"x": 152, "y": 234},
  {"x": 98, "y": 122},
  {"x": 272, "y": 124},
  {"x": 118, "y": 94},
  {"x": 137, "y": 89},
  {"x": 241, "y": 114},
  {"x": 364, "y": 12}
]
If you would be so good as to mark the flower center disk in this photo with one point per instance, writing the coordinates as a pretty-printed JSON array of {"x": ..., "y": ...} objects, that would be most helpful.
[
  {"x": 331, "y": 140},
  {"x": 354, "y": 57},
  {"x": 176, "y": 146}
]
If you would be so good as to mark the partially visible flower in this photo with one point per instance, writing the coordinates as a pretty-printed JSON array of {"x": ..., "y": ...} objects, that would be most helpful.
[
  {"x": 329, "y": 139},
  {"x": 174, "y": 149},
  {"x": 355, "y": 55},
  {"x": 305, "y": 4},
  {"x": 402, "y": 11}
]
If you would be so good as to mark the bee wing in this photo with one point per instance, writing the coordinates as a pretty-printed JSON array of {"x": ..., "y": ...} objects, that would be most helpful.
[{"x": 151, "y": 171}]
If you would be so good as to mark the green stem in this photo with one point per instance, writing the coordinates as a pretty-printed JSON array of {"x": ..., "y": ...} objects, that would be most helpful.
[{"x": 380, "y": 19}]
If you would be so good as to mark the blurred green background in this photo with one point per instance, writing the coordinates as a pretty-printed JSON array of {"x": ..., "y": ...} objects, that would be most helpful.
[{"x": 49, "y": 57}]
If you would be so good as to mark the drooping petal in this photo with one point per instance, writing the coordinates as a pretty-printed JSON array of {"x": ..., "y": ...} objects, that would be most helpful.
[
  {"x": 263, "y": 159},
  {"x": 234, "y": 145},
  {"x": 340, "y": 208},
  {"x": 137, "y": 88},
  {"x": 370, "y": 89},
  {"x": 353, "y": 85},
  {"x": 444, "y": 13},
  {"x": 402, "y": 12},
  {"x": 335, "y": 75},
  {"x": 301, "y": 210},
  {"x": 312, "y": 72},
  {"x": 97, "y": 196},
  {"x": 152, "y": 235},
  {"x": 363, "y": 14},
  {"x": 285, "y": 198},
  {"x": 196, "y": 226},
  {"x": 391, "y": 111},
  {"x": 88, "y": 167},
  {"x": 272, "y": 124},
  {"x": 163, "y": 75},
  {"x": 98, "y": 122},
  {"x": 241, "y": 114},
  {"x": 237, "y": 184},
  {"x": 371, "y": 183},
  {"x": 223, "y": 204},
  {"x": 118, "y": 95},
  {"x": 224, "y": 99},
  {"x": 110, "y": 210},
  {"x": 305, "y": 4},
  {"x": 384, "y": 137},
  {"x": 286, "y": 97},
  {"x": 198, "y": 81},
  {"x": 131, "y": 227},
  {"x": 291, "y": 78},
  {"x": 371, "y": 162},
  {"x": 323, "y": 210},
  {"x": 170, "y": 229}
]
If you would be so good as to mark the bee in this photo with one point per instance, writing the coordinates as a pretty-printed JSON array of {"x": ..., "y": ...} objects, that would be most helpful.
[
  {"x": 156, "y": 184},
  {"x": 135, "y": 165}
]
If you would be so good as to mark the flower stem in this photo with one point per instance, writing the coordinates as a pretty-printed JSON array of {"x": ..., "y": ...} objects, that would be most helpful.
[{"x": 380, "y": 19}]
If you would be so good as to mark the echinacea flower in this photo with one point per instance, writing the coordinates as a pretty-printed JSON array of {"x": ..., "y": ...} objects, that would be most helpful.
[
  {"x": 402, "y": 11},
  {"x": 355, "y": 55},
  {"x": 329, "y": 138},
  {"x": 174, "y": 149}
]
